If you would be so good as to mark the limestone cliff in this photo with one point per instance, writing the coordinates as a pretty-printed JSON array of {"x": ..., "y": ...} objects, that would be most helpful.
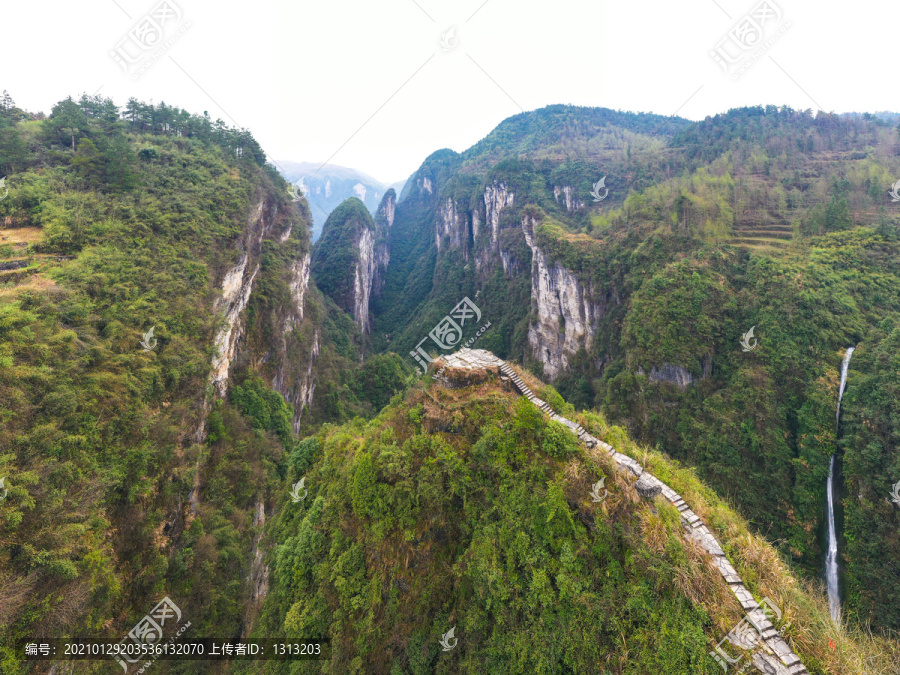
[
  {"x": 363, "y": 274},
  {"x": 565, "y": 309},
  {"x": 483, "y": 222},
  {"x": 287, "y": 365},
  {"x": 384, "y": 220},
  {"x": 565, "y": 195},
  {"x": 344, "y": 260},
  {"x": 496, "y": 197}
]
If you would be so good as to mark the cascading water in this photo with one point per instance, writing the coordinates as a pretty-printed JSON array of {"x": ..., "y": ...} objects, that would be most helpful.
[{"x": 831, "y": 559}]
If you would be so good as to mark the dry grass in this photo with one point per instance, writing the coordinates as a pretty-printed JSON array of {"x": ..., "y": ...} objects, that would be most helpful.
[
  {"x": 14, "y": 593},
  {"x": 34, "y": 283},
  {"x": 20, "y": 236}
]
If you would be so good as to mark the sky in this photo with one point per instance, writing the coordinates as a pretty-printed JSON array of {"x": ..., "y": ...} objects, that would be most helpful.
[{"x": 378, "y": 86}]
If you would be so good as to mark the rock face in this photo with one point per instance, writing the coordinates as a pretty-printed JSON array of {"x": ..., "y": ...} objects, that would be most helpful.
[
  {"x": 669, "y": 372},
  {"x": 566, "y": 313},
  {"x": 344, "y": 260},
  {"x": 299, "y": 284},
  {"x": 384, "y": 221},
  {"x": 483, "y": 238},
  {"x": 237, "y": 286},
  {"x": 363, "y": 275},
  {"x": 450, "y": 224},
  {"x": 258, "y": 578},
  {"x": 236, "y": 289},
  {"x": 352, "y": 257},
  {"x": 293, "y": 378},
  {"x": 569, "y": 200},
  {"x": 680, "y": 376},
  {"x": 496, "y": 197},
  {"x": 425, "y": 184}
]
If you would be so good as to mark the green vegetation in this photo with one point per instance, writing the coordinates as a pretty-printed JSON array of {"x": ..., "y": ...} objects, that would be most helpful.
[
  {"x": 408, "y": 532},
  {"x": 337, "y": 252},
  {"x": 128, "y": 478},
  {"x": 129, "y": 223},
  {"x": 763, "y": 217},
  {"x": 871, "y": 436},
  {"x": 456, "y": 508}
]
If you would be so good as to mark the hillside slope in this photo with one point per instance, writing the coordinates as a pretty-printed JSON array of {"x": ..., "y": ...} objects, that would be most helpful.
[
  {"x": 634, "y": 301},
  {"x": 464, "y": 507},
  {"x": 160, "y": 346}
]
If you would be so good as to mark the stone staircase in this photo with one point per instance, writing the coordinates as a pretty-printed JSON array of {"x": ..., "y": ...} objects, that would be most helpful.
[{"x": 771, "y": 655}]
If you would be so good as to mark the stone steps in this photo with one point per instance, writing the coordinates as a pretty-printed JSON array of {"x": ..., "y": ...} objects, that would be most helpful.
[{"x": 775, "y": 655}]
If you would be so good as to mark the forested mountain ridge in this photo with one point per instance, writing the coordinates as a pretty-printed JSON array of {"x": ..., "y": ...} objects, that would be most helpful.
[
  {"x": 462, "y": 506},
  {"x": 160, "y": 345},
  {"x": 351, "y": 257}
]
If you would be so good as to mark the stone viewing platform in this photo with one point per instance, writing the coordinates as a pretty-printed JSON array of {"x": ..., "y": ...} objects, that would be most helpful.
[{"x": 771, "y": 655}]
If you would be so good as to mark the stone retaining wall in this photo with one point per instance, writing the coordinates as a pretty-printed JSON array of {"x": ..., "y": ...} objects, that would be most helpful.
[{"x": 773, "y": 656}]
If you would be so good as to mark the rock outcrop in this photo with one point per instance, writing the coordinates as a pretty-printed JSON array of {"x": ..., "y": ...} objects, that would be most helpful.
[
  {"x": 384, "y": 221},
  {"x": 363, "y": 274},
  {"x": 569, "y": 200},
  {"x": 450, "y": 224},
  {"x": 496, "y": 198},
  {"x": 566, "y": 313},
  {"x": 258, "y": 579},
  {"x": 669, "y": 372},
  {"x": 266, "y": 222},
  {"x": 771, "y": 654}
]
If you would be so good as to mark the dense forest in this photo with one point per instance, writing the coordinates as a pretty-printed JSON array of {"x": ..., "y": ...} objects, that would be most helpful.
[
  {"x": 176, "y": 355},
  {"x": 116, "y": 228}
]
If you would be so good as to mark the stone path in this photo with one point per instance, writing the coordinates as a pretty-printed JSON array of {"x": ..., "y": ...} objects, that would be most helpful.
[{"x": 773, "y": 656}]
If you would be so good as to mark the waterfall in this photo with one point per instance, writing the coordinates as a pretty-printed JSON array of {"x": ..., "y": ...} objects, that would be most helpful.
[
  {"x": 844, "y": 366},
  {"x": 831, "y": 563},
  {"x": 831, "y": 559}
]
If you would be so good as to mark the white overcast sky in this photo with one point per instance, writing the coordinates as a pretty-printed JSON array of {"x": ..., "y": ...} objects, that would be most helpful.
[{"x": 368, "y": 85}]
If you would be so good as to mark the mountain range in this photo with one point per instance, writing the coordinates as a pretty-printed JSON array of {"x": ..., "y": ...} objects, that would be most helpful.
[
  {"x": 327, "y": 185},
  {"x": 203, "y": 405}
]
